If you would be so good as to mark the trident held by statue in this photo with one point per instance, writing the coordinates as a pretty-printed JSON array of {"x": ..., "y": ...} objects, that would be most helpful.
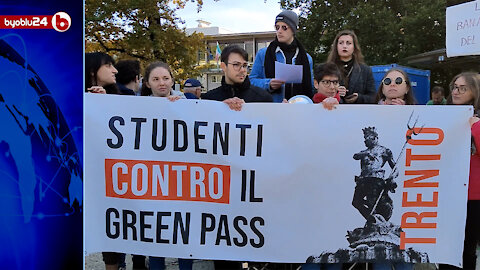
[{"x": 412, "y": 131}]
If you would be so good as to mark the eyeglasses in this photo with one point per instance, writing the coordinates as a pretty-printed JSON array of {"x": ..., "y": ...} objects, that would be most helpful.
[
  {"x": 327, "y": 83},
  {"x": 388, "y": 81},
  {"x": 461, "y": 89},
  {"x": 237, "y": 66},
  {"x": 284, "y": 27}
]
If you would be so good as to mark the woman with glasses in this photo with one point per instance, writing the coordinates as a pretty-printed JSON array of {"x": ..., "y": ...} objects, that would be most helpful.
[
  {"x": 465, "y": 90},
  {"x": 357, "y": 82},
  {"x": 287, "y": 49},
  {"x": 395, "y": 89}
]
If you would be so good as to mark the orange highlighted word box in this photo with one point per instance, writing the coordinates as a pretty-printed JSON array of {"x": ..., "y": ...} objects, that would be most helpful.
[{"x": 161, "y": 180}]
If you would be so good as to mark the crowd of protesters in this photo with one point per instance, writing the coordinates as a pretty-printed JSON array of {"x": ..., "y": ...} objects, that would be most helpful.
[{"x": 343, "y": 79}]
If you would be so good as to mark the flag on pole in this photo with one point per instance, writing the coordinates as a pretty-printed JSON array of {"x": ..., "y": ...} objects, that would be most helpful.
[{"x": 218, "y": 52}]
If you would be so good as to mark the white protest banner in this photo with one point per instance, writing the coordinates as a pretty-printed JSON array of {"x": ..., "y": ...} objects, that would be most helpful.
[
  {"x": 275, "y": 182},
  {"x": 463, "y": 29}
]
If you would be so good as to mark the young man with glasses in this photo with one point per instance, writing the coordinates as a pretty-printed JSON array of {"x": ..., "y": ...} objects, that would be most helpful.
[
  {"x": 236, "y": 88},
  {"x": 326, "y": 80},
  {"x": 235, "y": 91},
  {"x": 287, "y": 49}
]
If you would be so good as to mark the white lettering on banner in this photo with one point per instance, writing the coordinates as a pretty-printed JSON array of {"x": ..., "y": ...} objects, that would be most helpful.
[
  {"x": 115, "y": 167},
  {"x": 144, "y": 182},
  {"x": 142, "y": 179},
  {"x": 159, "y": 179},
  {"x": 179, "y": 170},
  {"x": 197, "y": 181},
  {"x": 216, "y": 173}
]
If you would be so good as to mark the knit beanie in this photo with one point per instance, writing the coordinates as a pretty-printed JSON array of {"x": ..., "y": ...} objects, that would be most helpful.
[{"x": 290, "y": 18}]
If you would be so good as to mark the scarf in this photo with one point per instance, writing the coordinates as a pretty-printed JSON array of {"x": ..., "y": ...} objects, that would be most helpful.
[
  {"x": 304, "y": 88},
  {"x": 237, "y": 89},
  {"x": 319, "y": 97},
  {"x": 346, "y": 69}
]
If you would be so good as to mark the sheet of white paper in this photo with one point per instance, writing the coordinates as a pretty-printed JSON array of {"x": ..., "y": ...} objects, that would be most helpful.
[{"x": 288, "y": 73}]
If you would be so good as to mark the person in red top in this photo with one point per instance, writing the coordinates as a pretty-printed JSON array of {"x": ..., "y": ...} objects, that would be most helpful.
[
  {"x": 326, "y": 81},
  {"x": 465, "y": 90}
]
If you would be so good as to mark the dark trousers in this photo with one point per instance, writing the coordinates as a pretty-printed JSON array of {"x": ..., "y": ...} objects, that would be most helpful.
[
  {"x": 227, "y": 265},
  {"x": 472, "y": 237}
]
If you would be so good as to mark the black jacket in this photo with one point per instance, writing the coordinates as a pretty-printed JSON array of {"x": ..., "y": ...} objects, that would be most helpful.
[
  {"x": 245, "y": 91},
  {"x": 361, "y": 82},
  {"x": 124, "y": 90}
]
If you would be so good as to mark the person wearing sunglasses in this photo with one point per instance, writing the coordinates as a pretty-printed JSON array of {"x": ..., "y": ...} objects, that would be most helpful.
[
  {"x": 465, "y": 90},
  {"x": 357, "y": 78},
  {"x": 287, "y": 49},
  {"x": 395, "y": 89}
]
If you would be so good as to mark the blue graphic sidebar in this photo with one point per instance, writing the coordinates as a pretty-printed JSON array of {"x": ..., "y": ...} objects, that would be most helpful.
[{"x": 41, "y": 186}]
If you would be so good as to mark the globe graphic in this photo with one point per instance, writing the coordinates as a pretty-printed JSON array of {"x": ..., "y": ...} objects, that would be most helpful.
[{"x": 40, "y": 173}]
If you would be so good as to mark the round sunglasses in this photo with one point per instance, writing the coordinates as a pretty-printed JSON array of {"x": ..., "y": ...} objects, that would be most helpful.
[{"x": 388, "y": 81}]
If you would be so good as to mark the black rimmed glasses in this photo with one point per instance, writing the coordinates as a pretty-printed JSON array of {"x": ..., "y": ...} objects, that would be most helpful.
[
  {"x": 237, "y": 66},
  {"x": 462, "y": 89},
  {"x": 388, "y": 81},
  {"x": 327, "y": 83}
]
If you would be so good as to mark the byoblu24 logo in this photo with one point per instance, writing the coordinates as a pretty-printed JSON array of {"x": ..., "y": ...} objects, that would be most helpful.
[
  {"x": 61, "y": 21},
  {"x": 25, "y": 22}
]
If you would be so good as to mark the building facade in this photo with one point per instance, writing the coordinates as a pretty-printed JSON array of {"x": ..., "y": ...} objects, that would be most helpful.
[{"x": 251, "y": 42}]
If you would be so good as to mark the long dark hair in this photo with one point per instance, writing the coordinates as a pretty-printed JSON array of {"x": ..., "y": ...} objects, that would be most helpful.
[
  {"x": 93, "y": 62},
  {"x": 409, "y": 98},
  {"x": 147, "y": 91}
]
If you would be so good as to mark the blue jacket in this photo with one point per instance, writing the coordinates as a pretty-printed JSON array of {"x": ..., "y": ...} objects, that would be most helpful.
[{"x": 257, "y": 76}]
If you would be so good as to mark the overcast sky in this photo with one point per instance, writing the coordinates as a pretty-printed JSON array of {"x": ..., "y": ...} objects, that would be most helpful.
[{"x": 234, "y": 15}]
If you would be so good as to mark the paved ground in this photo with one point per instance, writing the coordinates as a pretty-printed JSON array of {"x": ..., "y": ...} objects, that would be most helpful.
[{"x": 94, "y": 262}]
